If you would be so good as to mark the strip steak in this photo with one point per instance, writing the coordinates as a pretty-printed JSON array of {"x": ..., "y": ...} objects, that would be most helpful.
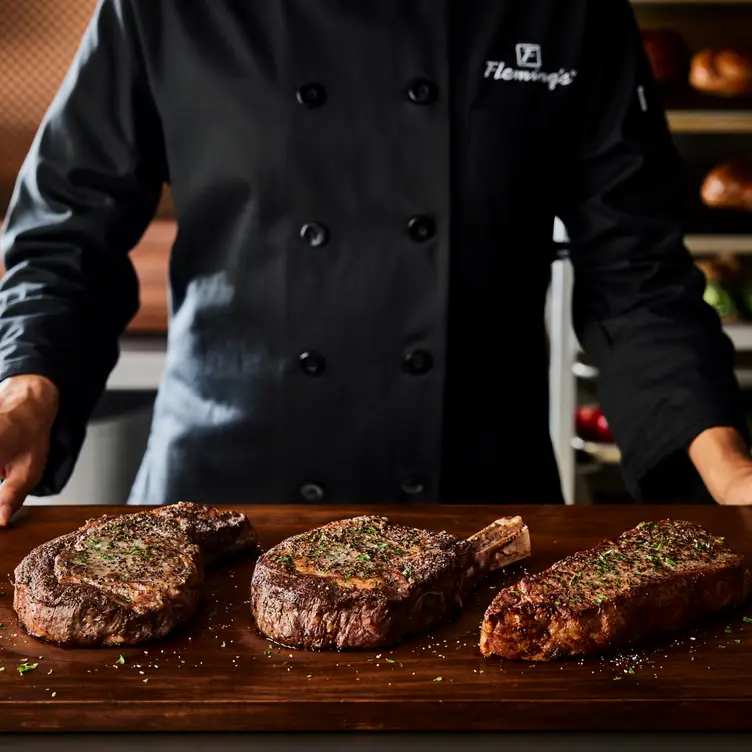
[
  {"x": 657, "y": 577},
  {"x": 128, "y": 579},
  {"x": 367, "y": 582}
]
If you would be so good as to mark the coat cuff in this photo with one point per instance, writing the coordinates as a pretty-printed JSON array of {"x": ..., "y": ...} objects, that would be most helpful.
[
  {"x": 665, "y": 473},
  {"x": 68, "y": 431}
]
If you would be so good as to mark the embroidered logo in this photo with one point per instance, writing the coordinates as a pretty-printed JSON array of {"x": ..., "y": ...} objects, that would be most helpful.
[
  {"x": 528, "y": 55},
  {"x": 528, "y": 70}
]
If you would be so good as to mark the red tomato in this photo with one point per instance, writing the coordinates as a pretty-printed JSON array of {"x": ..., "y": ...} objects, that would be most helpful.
[
  {"x": 603, "y": 431},
  {"x": 586, "y": 422}
]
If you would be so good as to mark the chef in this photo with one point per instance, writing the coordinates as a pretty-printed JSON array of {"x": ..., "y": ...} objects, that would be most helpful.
[{"x": 365, "y": 195}]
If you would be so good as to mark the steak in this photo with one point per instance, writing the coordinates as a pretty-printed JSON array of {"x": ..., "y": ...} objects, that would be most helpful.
[
  {"x": 128, "y": 579},
  {"x": 366, "y": 582},
  {"x": 655, "y": 578}
]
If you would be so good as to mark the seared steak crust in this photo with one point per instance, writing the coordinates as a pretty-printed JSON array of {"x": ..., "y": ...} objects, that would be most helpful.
[
  {"x": 124, "y": 580},
  {"x": 362, "y": 582},
  {"x": 655, "y": 578}
]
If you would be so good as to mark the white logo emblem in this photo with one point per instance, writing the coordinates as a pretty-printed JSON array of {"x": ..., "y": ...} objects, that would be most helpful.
[
  {"x": 528, "y": 70},
  {"x": 529, "y": 55}
]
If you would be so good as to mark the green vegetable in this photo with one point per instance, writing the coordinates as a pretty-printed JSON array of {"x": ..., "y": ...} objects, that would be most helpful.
[
  {"x": 747, "y": 620},
  {"x": 719, "y": 298},
  {"x": 22, "y": 669},
  {"x": 120, "y": 661},
  {"x": 439, "y": 678}
]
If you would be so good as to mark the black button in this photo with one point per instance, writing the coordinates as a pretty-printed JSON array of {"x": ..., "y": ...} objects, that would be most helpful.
[
  {"x": 417, "y": 362},
  {"x": 421, "y": 228},
  {"x": 314, "y": 234},
  {"x": 312, "y": 492},
  {"x": 413, "y": 486},
  {"x": 311, "y": 95},
  {"x": 422, "y": 91},
  {"x": 312, "y": 363}
]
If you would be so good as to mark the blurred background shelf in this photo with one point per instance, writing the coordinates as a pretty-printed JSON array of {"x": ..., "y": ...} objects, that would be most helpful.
[
  {"x": 691, "y": 2},
  {"x": 703, "y": 121},
  {"x": 712, "y": 244}
]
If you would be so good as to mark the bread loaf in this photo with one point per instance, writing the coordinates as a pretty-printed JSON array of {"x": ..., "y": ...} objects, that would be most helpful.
[
  {"x": 667, "y": 53},
  {"x": 729, "y": 185},
  {"x": 722, "y": 72}
]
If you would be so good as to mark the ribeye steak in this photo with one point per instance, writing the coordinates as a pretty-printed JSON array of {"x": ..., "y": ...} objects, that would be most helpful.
[
  {"x": 128, "y": 579},
  {"x": 366, "y": 582},
  {"x": 657, "y": 577}
]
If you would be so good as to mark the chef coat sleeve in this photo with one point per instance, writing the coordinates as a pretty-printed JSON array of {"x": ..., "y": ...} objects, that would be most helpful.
[
  {"x": 85, "y": 194},
  {"x": 666, "y": 367}
]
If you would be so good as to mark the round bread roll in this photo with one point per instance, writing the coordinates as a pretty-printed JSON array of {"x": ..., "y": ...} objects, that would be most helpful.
[
  {"x": 729, "y": 185},
  {"x": 667, "y": 53},
  {"x": 722, "y": 72}
]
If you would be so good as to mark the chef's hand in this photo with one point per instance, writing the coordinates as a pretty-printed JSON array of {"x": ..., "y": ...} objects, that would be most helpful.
[
  {"x": 28, "y": 408},
  {"x": 723, "y": 460}
]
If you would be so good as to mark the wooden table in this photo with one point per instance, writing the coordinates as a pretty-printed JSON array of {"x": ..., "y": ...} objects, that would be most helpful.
[{"x": 220, "y": 675}]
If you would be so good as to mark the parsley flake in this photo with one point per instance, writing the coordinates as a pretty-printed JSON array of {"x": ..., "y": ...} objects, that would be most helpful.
[
  {"x": 439, "y": 678},
  {"x": 27, "y": 667},
  {"x": 120, "y": 661}
]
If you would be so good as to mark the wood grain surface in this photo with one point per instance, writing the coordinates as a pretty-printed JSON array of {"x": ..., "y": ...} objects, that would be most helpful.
[{"x": 219, "y": 674}]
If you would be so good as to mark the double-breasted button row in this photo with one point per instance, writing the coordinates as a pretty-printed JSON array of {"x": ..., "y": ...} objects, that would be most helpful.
[
  {"x": 414, "y": 363},
  {"x": 420, "y": 228},
  {"x": 313, "y": 492},
  {"x": 420, "y": 91}
]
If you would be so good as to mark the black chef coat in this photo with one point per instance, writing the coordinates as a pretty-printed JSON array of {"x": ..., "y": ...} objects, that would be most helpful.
[{"x": 365, "y": 195}]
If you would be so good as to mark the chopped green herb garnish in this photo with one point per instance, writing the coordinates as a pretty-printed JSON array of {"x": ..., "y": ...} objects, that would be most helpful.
[
  {"x": 439, "y": 678},
  {"x": 747, "y": 619},
  {"x": 268, "y": 651},
  {"x": 22, "y": 669},
  {"x": 737, "y": 641},
  {"x": 120, "y": 661},
  {"x": 618, "y": 678},
  {"x": 630, "y": 670},
  {"x": 390, "y": 660},
  {"x": 727, "y": 630}
]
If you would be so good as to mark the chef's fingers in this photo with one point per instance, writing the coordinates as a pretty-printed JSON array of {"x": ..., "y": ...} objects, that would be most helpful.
[{"x": 15, "y": 488}]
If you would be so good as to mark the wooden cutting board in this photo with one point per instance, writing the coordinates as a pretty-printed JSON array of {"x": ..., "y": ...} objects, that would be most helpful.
[{"x": 218, "y": 674}]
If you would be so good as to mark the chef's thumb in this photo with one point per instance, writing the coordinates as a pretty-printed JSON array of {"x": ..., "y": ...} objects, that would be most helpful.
[{"x": 13, "y": 492}]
